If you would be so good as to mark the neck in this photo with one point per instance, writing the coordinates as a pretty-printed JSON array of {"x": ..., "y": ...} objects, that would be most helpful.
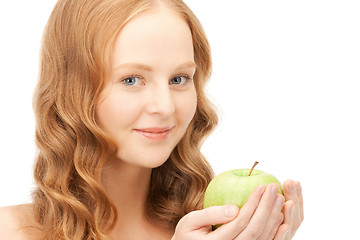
[{"x": 127, "y": 187}]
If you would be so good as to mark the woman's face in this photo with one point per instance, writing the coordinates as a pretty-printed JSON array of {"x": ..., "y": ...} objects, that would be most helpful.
[{"x": 151, "y": 98}]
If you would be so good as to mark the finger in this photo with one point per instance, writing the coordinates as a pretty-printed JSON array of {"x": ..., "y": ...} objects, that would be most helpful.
[
  {"x": 208, "y": 216},
  {"x": 293, "y": 192},
  {"x": 276, "y": 227},
  {"x": 289, "y": 190},
  {"x": 232, "y": 229},
  {"x": 282, "y": 233},
  {"x": 258, "y": 221},
  {"x": 249, "y": 208},
  {"x": 288, "y": 210},
  {"x": 275, "y": 219},
  {"x": 300, "y": 199},
  {"x": 266, "y": 203},
  {"x": 290, "y": 193}
]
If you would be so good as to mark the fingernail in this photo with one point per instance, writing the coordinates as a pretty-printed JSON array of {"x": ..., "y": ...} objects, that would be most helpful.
[
  {"x": 261, "y": 188},
  {"x": 231, "y": 211},
  {"x": 275, "y": 189},
  {"x": 279, "y": 201},
  {"x": 291, "y": 187}
]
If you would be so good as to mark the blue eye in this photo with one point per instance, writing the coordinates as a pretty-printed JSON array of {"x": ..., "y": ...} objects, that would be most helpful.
[
  {"x": 180, "y": 80},
  {"x": 132, "y": 81}
]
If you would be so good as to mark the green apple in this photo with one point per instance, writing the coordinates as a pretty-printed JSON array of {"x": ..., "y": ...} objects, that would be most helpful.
[{"x": 234, "y": 187}]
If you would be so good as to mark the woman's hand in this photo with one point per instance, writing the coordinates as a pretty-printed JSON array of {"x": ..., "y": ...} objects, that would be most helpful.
[
  {"x": 260, "y": 218},
  {"x": 293, "y": 209}
]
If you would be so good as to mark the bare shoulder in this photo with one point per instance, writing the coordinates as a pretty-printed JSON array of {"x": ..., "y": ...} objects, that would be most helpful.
[{"x": 18, "y": 223}]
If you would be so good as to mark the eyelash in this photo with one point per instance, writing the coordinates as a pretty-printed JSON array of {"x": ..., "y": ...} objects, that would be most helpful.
[
  {"x": 186, "y": 76},
  {"x": 123, "y": 81}
]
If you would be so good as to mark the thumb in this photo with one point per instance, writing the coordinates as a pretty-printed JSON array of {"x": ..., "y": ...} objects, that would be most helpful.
[{"x": 209, "y": 216}]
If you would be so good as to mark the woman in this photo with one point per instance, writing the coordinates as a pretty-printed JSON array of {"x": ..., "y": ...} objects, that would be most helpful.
[{"x": 121, "y": 114}]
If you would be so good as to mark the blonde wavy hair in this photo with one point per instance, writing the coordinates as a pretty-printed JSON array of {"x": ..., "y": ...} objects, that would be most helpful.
[{"x": 70, "y": 201}]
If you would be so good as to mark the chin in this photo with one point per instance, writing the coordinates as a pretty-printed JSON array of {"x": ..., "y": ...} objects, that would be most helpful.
[
  {"x": 154, "y": 163},
  {"x": 147, "y": 160}
]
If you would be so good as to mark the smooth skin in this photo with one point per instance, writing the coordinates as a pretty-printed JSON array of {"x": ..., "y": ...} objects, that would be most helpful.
[
  {"x": 152, "y": 87},
  {"x": 267, "y": 215},
  {"x": 260, "y": 218}
]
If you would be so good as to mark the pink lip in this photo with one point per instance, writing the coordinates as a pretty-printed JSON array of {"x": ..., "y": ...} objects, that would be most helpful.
[{"x": 155, "y": 133}]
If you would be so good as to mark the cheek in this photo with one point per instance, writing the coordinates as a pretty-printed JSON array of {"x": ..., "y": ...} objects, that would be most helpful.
[
  {"x": 187, "y": 107},
  {"x": 116, "y": 111}
]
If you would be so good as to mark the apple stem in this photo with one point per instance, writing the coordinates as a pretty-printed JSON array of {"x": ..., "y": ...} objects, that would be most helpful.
[{"x": 256, "y": 163}]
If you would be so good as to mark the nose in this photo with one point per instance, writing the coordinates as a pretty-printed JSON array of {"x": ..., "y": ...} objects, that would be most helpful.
[{"x": 161, "y": 100}]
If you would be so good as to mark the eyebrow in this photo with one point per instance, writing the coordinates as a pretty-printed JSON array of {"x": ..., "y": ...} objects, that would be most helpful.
[{"x": 149, "y": 68}]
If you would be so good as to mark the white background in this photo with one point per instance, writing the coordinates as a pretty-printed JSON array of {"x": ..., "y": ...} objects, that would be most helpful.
[{"x": 286, "y": 81}]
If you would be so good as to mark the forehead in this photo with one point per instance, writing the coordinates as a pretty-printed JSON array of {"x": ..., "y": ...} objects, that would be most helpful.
[{"x": 156, "y": 35}]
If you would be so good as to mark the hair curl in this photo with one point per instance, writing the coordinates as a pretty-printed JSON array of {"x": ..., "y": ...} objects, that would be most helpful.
[{"x": 76, "y": 53}]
